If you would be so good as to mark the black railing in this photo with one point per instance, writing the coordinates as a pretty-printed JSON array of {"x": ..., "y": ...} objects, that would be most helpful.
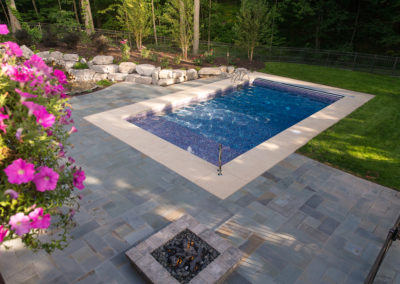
[{"x": 393, "y": 235}]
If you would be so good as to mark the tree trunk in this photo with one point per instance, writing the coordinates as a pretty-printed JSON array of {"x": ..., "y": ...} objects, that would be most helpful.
[
  {"x": 59, "y": 4},
  {"x": 196, "y": 24},
  {"x": 154, "y": 22},
  {"x": 209, "y": 27},
  {"x": 317, "y": 32},
  {"x": 76, "y": 11},
  {"x": 5, "y": 13},
  {"x": 182, "y": 27},
  {"x": 353, "y": 35},
  {"x": 87, "y": 15},
  {"x": 15, "y": 25},
  {"x": 273, "y": 23},
  {"x": 34, "y": 7}
]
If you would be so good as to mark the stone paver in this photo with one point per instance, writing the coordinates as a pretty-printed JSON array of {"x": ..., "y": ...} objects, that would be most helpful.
[{"x": 300, "y": 222}]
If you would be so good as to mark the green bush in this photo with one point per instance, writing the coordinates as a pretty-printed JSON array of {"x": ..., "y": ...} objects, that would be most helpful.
[
  {"x": 145, "y": 53},
  {"x": 164, "y": 63},
  {"x": 104, "y": 83},
  {"x": 101, "y": 42},
  {"x": 49, "y": 38},
  {"x": 71, "y": 39},
  {"x": 154, "y": 57},
  {"x": 79, "y": 65},
  {"x": 198, "y": 61},
  {"x": 177, "y": 59}
]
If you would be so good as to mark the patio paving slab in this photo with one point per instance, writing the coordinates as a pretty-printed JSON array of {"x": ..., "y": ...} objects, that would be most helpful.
[{"x": 300, "y": 222}]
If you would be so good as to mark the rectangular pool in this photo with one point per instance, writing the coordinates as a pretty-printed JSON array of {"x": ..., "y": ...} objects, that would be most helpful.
[{"x": 238, "y": 119}]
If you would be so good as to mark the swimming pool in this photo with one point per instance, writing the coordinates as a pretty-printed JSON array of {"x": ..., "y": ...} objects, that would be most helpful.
[{"x": 238, "y": 119}]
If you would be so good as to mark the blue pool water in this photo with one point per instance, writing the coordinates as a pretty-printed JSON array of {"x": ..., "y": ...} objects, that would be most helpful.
[{"x": 239, "y": 120}]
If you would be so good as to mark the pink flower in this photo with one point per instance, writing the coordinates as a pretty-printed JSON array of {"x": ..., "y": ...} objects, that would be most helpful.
[
  {"x": 39, "y": 221},
  {"x": 45, "y": 179},
  {"x": 44, "y": 118},
  {"x": 71, "y": 160},
  {"x": 73, "y": 130},
  {"x": 79, "y": 177},
  {"x": 31, "y": 107},
  {"x": 12, "y": 49},
  {"x": 19, "y": 74},
  {"x": 123, "y": 41},
  {"x": 60, "y": 76},
  {"x": 20, "y": 171},
  {"x": 37, "y": 64},
  {"x": 25, "y": 95},
  {"x": 4, "y": 30},
  {"x": 3, "y": 233},
  {"x": 49, "y": 132},
  {"x": 20, "y": 223},
  {"x": 12, "y": 193},
  {"x": 2, "y": 118}
]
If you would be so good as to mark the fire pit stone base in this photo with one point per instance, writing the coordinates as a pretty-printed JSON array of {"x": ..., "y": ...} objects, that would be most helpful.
[{"x": 215, "y": 272}]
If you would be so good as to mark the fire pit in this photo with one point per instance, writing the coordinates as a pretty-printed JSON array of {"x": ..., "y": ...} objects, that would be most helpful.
[
  {"x": 185, "y": 256},
  {"x": 184, "y": 252}
]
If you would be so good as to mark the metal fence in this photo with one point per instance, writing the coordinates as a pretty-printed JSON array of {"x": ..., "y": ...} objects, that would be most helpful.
[{"x": 373, "y": 63}]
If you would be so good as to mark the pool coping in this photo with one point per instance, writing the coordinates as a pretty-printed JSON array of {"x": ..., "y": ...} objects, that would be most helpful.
[{"x": 244, "y": 168}]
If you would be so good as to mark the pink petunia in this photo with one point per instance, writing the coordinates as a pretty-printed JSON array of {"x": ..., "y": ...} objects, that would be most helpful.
[
  {"x": 36, "y": 63},
  {"x": 60, "y": 76},
  {"x": 20, "y": 223},
  {"x": 12, "y": 193},
  {"x": 44, "y": 118},
  {"x": 24, "y": 94},
  {"x": 4, "y": 30},
  {"x": 20, "y": 171},
  {"x": 3, "y": 126},
  {"x": 39, "y": 221},
  {"x": 12, "y": 49},
  {"x": 32, "y": 107},
  {"x": 45, "y": 179},
  {"x": 18, "y": 134},
  {"x": 79, "y": 177},
  {"x": 3, "y": 233},
  {"x": 73, "y": 130}
]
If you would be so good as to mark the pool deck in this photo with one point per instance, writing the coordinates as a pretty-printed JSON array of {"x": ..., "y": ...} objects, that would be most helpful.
[{"x": 299, "y": 222}]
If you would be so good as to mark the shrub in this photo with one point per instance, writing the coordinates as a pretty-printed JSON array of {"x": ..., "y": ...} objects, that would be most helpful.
[
  {"x": 104, "y": 83},
  {"x": 38, "y": 179},
  {"x": 177, "y": 59},
  {"x": 80, "y": 65},
  {"x": 49, "y": 37},
  {"x": 209, "y": 56},
  {"x": 154, "y": 57},
  {"x": 36, "y": 34},
  {"x": 71, "y": 39},
  {"x": 145, "y": 53},
  {"x": 23, "y": 37},
  {"x": 101, "y": 43},
  {"x": 164, "y": 62},
  {"x": 125, "y": 50},
  {"x": 198, "y": 61}
]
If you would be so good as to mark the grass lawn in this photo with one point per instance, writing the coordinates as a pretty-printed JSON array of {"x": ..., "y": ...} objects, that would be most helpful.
[{"x": 365, "y": 143}]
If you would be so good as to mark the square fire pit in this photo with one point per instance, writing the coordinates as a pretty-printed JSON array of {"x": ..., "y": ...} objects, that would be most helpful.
[{"x": 184, "y": 252}]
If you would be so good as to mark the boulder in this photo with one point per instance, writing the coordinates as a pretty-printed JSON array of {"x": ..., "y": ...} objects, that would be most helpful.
[
  {"x": 90, "y": 63},
  {"x": 165, "y": 74},
  {"x": 155, "y": 76},
  {"x": 103, "y": 60},
  {"x": 119, "y": 77},
  {"x": 131, "y": 77},
  {"x": 69, "y": 64},
  {"x": 83, "y": 61},
  {"x": 179, "y": 79},
  {"x": 26, "y": 52},
  {"x": 56, "y": 56},
  {"x": 191, "y": 74},
  {"x": 166, "y": 82},
  {"x": 209, "y": 71},
  {"x": 127, "y": 67},
  {"x": 105, "y": 69},
  {"x": 223, "y": 68},
  {"x": 144, "y": 80},
  {"x": 44, "y": 54},
  {"x": 82, "y": 74},
  {"x": 231, "y": 69},
  {"x": 145, "y": 69},
  {"x": 71, "y": 57},
  {"x": 177, "y": 73},
  {"x": 99, "y": 77}
]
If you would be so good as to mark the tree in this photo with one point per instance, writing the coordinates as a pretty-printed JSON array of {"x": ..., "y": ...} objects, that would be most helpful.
[
  {"x": 133, "y": 15},
  {"x": 179, "y": 15},
  {"x": 154, "y": 22},
  {"x": 87, "y": 15},
  {"x": 13, "y": 14},
  {"x": 252, "y": 21},
  {"x": 196, "y": 25}
]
